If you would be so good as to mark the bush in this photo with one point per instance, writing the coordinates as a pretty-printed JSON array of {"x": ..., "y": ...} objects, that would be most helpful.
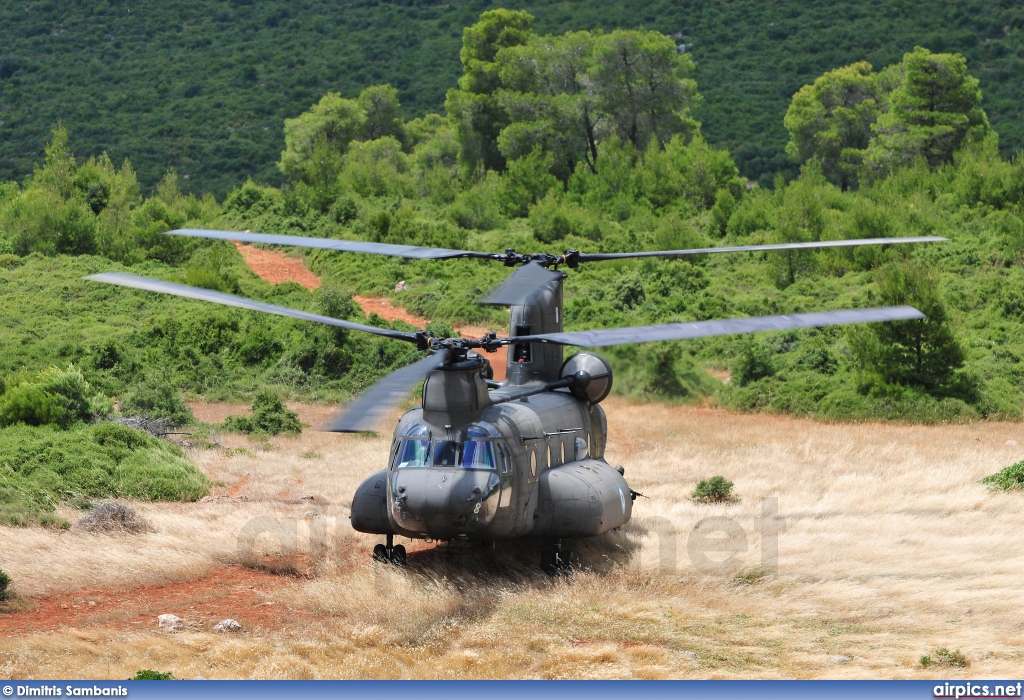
[
  {"x": 148, "y": 675},
  {"x": 157, "y": 398},
  {"x": 944, "y": 657},
  {"x": 269, "y": 417},
  {"x": 42, "y": 466},
  {"x": 753, "y": 363},
  {"x": 1009, "y": 479},
  {"x": 5, "y": 581},
  {"x": 52, "y": 397},
  {"x": 717, "y": 489}
]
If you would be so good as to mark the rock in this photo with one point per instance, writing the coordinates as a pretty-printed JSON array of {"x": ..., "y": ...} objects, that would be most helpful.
[
  {"x": 690, "y": 654},
  {"x": 109, "y": 516},
  {"x": 840, "y": 659},
  {"x": 228, "y": 625},
  {"x": 170, "y": 623},
  {"x": 402, "y": 287},
  {"x": 1011, "y": 443}
]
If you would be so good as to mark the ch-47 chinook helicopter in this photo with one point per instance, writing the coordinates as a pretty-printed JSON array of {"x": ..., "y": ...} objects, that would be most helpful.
[{"x": 482, "y": 460}]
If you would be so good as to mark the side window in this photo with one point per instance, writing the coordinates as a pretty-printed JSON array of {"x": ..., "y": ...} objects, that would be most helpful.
[{"x": 533, "y": 461}]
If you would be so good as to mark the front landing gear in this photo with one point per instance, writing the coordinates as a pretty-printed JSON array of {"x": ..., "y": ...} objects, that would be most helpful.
[
  {"x": 390, "y": 553},
  {"x": 557, "y": 561}
]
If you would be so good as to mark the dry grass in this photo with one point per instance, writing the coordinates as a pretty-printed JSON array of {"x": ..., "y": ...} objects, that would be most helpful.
[{"x": 892, "y": 548}]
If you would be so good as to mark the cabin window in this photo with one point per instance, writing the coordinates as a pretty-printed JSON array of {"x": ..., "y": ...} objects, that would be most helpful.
[{"x": 533, "y": 462}]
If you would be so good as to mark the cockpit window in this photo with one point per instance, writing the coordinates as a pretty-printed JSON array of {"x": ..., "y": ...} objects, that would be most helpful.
[
  {"x": 477, "y": 454},
  {"x": 471, "y": 454},
  {"x": 413, "y": 453},
  {"x": 446, "y": 453}
]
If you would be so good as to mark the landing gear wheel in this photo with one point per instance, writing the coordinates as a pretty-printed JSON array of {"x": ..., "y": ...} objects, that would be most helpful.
[
  {"x": 555, "y": 563},
  {"x": 380, "y": 553},
  {"x": 567, "y": 562},
  {"x": 398, "y": 555}
]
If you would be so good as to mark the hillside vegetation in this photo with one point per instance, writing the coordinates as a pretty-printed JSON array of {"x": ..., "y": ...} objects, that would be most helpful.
[
  {"x": 205, "y": 85},
  {"x": 584, "y": 139}
]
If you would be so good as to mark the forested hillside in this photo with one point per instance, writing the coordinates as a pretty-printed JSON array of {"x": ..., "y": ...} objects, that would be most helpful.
[
  {"x": 204, "y": 86},
  {"x": 580, "y": 139}
]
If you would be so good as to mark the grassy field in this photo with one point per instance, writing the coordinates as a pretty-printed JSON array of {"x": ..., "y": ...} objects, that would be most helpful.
[{"x": 891, "y": 549}]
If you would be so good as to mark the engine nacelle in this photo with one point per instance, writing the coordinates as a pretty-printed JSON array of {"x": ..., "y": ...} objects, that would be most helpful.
[{"x": 599, "y": 372}]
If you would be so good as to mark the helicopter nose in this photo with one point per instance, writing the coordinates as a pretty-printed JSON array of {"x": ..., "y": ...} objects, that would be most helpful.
[{"x": 442, "y": 503}]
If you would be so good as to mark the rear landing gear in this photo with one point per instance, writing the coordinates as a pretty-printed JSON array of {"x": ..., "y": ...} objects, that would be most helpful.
[
  {"x": 557, "y": 561},
  {"x": 390, "y": 553}
]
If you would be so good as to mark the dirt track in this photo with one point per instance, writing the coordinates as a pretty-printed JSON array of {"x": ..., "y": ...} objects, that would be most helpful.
[{"x": 276, "y": 267}]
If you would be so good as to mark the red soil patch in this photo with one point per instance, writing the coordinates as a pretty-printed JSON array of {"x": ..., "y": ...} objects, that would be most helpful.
[
  {"x": 384, "y": 309},
  {"x": 232, "y": 592},
  {"x": 276, "y": 267}
]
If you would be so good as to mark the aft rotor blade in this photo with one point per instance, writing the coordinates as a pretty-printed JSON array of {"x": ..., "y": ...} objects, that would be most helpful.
[
  {"x": 703, "y": 329},
  {"x": 181, "y": 290},
  {"x": 595, "y": 257},
  {"x": 520, "y": 285},
  {"x": 366, "y": 410},
  {"x": 401, "y": 251}
]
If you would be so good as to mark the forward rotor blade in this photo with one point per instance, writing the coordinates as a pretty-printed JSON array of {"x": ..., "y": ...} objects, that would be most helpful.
[
  {"x": 595, "y": 257},
  {"x": 366, "y": 410},
  {"x": 182, "y": 290},
  {"x": 401, "y": 251},
  {"x": 520, "y": 285},
  {"x": 703, "y": 329}
]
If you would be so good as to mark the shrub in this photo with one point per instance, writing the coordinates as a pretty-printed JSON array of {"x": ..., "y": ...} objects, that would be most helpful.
[
  {"x": 42, "y": 466},
  {"x": 753, "y": 363},
  {"x": 944, "y": 657},
  {"x": 148, "y": 675},
  {"x": 157, "y": 398},
  {"x": 5, "y": 581},
  {"x": 53, "y": 396},
  {"x": 269, "y": 417},
  {"x": 1009, "y": 479},
  {"x": 717, "y": 489},
  {"x": 479, "y": 207}
]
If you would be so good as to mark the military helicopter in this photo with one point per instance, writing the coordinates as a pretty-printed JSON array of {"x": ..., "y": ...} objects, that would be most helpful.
[{"x": 484, "y": 461}]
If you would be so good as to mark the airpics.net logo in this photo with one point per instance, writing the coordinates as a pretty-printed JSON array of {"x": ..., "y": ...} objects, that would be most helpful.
[
  {"x": 714, "y": 546},
  {"x": 977, "y": 690}
]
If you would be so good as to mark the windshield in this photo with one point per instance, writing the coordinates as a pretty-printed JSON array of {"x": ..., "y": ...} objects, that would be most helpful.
[
  {"x": 471, "y": 454},
  {"x": 477, "y": 454},
  {"x": 413, "y": 453}
]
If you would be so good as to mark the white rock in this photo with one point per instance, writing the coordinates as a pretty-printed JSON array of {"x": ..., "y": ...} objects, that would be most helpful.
[
  {"x": 402, "y": 287},
  {"x": 690, "y": 655},
  {"x": 226, "y": 626},
  {"x": 170, "y": 623},
  {"x": 1011, "y": 443},
  {"x": 840, "y": 659}
]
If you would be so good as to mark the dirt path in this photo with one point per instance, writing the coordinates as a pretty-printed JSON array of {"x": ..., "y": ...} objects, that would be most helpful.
[
  {"x": 276, "y": 267},
  {"x": 244, "y": 595}
]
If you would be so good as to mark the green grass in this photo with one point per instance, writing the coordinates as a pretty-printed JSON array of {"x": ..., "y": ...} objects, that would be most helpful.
[
  {"x": 1009, "y": 479},
  {"x": 41, "y": 467}
]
